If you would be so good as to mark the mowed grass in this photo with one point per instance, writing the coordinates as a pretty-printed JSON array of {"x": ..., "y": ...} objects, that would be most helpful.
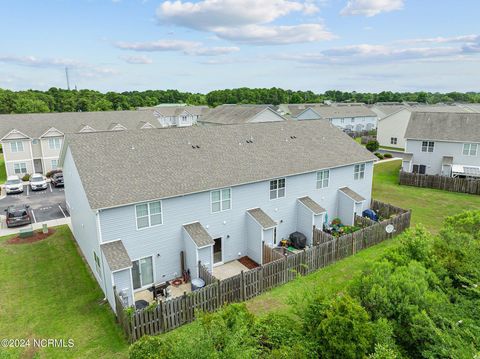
[
  {"x": 46, "y": 292},
  {"x": 429, "y": 207},
  {"x": 3, "y": 171}
]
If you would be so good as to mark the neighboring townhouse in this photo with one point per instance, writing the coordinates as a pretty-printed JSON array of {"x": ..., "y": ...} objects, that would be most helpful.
[
  {"x": 172, "y": 115},
  {"x": 32, "y": 142},
  {"x": 354, "y": 117},
  {"x": 393, "y": 121},
  {"x": 205, "y": 193},
  {"x": 239, "y": 114},
  {"x": 446, "y": 144}
]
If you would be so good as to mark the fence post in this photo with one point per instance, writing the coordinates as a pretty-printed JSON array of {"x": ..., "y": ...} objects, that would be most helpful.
[
  {"x": 242, "y": 287},
  {"x": 219, "y": 296}
]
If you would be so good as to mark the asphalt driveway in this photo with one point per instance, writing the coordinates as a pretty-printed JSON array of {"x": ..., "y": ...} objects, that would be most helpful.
[{"x": 46, "y": 205}]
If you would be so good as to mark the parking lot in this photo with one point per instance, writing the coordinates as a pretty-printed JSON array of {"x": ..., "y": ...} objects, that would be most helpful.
[{"x": 45, "y": 205}]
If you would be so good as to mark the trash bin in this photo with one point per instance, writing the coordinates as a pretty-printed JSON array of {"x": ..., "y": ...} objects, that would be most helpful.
[{"x": 197, "y": 283}]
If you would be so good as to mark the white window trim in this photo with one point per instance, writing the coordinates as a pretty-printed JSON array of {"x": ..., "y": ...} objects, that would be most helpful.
[
  {"x": 428, "y": 146},
  {"x": 19, "y": 163},
  {"x": 323, "y": 179},
  {"x": 148, "y": 216},
  {"x": 16, "y": 146},
  {"x": 285, "y": 188},
  {"x": 470, "y": 149},
  {"x": 360, "y": 172},
  {"x": 53, "y": 140},
  {"x": 221, "y": 200},
  {"x": 153, "y": 270},
  {"x": 56, "y": 164}
]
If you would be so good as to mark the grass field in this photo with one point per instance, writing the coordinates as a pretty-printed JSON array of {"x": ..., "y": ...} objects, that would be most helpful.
[
  {"x": 3, "y": 171},
  {"x": 47, "y": 292}
]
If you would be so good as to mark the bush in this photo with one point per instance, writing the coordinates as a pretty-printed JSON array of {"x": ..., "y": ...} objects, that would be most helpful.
[
  {"x": 373, "y": 145},
  {"x": 26, "y": 177},
  {"x": 388, "y": 155},
  {"x": 52, "y": 172},
  {"x": 379, "y": 155}
]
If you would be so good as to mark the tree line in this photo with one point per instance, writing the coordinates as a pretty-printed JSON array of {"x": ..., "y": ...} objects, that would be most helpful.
[
  {"x": 61, "y": 100},
  {"x": 419, "y": 301}
]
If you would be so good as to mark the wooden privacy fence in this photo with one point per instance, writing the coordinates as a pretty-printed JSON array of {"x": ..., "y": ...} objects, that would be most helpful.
[
  {"x": 172, "y": 313},
  {"x": 451, "y": 184},
  {"x": 270, "y": 254}
]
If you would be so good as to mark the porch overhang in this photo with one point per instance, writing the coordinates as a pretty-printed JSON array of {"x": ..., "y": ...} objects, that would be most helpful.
[
  {"x": 263, "y": 219},
  {"x": 311, "y": 205},
  {"x": 352, "y": 194},
  {"x": 116, "y": 255},
  {"x": 198, "y": 234}
]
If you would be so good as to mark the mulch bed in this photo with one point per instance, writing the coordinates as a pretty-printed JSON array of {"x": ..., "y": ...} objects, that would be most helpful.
[
  {"x": 37, "y": 236},
  {"x": 248, "y": 262}
]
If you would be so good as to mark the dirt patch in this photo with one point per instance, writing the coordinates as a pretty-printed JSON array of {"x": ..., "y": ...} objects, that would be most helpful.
[
  {"x": 248, "y": 262},
  {"x": 37, "y": 236}
]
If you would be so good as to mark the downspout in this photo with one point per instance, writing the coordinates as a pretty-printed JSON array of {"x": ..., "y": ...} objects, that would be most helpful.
[{"x": 99, "y": 237}]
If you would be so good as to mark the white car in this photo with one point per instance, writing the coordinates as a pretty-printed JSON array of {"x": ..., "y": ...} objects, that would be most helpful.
[
  {"x": 38, "y": 182},
  {"x": 13, "y": 185}
]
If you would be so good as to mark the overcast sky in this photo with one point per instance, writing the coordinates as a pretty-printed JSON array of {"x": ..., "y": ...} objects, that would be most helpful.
[{"x": 361, "y": 45}]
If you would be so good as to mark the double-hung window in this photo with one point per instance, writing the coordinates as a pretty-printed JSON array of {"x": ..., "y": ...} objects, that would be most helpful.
[
  {"x": 148, "y": 214},
  {"x": 54, "y": 164},
  {"x": 54, "y": 143},
  {"x": 221, "y": 199},
  {"x": 16, "y": 146},
  {"x": 20, "y": 168},
  {"x": 427, "y": 146},
  {"x": 393, "y": 140},
  {"x": 277, "y": 188},
  {"x": 97, "y": 264},
  {"x": 322, "y": 178},
  {"x": 470, "y": 149},
  {"x": 359, "y": 171},
  {"x": 142, "y": 272}
]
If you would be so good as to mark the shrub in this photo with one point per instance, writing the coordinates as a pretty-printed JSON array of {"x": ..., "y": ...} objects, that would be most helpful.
[
  {"x": 379, "y": 155},
  {"x": 373, "y": 145},
  {"x": 52, "y": 172},
  {"x": 388, "y": 155},
  {"x": 26, "y": 177}
]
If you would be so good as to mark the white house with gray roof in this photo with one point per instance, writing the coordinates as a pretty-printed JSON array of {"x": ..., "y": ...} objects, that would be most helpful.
[
  {"x": 238, "y": 114},
  {"x": 174, "y": 115},
  {"x": 32, "y": 142},
  {"x": 446, "y": 144},
  {"x": 213, "y": 193}
]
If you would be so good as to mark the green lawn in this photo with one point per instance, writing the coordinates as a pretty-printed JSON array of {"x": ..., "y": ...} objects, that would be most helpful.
[
  {"x": 3, "y": 171},
  {"x": 392, "y": 148},
  {"x": 47, "y": 292}
]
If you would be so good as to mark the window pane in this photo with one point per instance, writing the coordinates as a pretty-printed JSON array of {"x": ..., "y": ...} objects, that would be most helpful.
[
  {"x": 146, "y": 270},
  {"x": 473, "y": 149},
  {"x": 281, "y": 192},
  {"x": 215, "y": 196},
  {"x": 355, "y": 176},
  {"x": 142, "y": 222},
  {"x": 326, "y": 174},
  {"x": 215, "y": 206},
  {"x": 273, "y": 184},
  {"x": 225, "y": 204},
  {"x": 155, "y": 208},
  {"x": 155, "y": 219},
  {"x": 466, "y": 149},
  {"x": 281, "y": 183},
  {"x": 136, "y": 275},
  {"x": 325, "y": 183},
  {"x": 226, "y": 194},
  {"x": 141, "y": 210},
  {"x": 273, "y": 194}
]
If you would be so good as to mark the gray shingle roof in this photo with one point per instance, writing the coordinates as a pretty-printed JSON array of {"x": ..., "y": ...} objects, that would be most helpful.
[
  {"x": 262, "y": 218},
  {"x": 116, "y": 255},
  {"x": 199, "y": 234},
  {"x": 235, "y": 114},
  {"x": 444, "y": 126},
  {"x": 35, "y": 125},
  {"x": 344, "y": 110},
  {"x": 312, "y": 205},
  {"x": 176, "y": 110},
  {"x": 352, "y": 194},
  {"x": 161, "y": 163}
]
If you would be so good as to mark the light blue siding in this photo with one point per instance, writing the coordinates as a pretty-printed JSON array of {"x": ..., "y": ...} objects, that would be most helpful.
[
  {"x": 346, "y": 207},
  {"x": 123, "y": 282},
  {"x": 167, "y": 239},
  {"x": 205, "y": 255},
  {"x": 254, "y": 237},
  {"x": 268, "y": 237},
  {"x": 191, "y": 255},
  {"x": 305, "y": 222},
  {"x": 308, "y": 114}
]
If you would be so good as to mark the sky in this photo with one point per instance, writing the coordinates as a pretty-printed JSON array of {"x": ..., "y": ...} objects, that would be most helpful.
[{"x": 199, "y": 46}]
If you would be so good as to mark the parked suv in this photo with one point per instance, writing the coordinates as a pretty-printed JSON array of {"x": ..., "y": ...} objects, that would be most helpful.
[
  {"x": 18, "y": 216},
  {"x": 13, "y": 185},
  {"x": 37, "y": 182},
  {"x": 57, "y": 179}
]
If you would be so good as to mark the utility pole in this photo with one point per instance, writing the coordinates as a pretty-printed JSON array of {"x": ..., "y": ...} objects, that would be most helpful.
[{"x": 68, "y": 79}]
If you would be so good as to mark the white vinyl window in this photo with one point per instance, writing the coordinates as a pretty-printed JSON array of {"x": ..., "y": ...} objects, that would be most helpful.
[
  {"x": 359, "y": 171},
  {"x": 221, "y": 199},
  {"x": 148, "y": 214},
  {"x": 54, "y": 164},
  {"x": 470, "y": 149},
  {"x": 277, "y": 188},
  {"x": 20, "y": 168},
  {"x": 142, "y": 272},
  {"x": 322, "y": 178},
  {"x": 393, "y": 140},
  {"x": 97, "y": 263},
  {"x": 16, "y": 146},
  {"x": 54, "y": 143},
  {"x": 427, "y": 146}
]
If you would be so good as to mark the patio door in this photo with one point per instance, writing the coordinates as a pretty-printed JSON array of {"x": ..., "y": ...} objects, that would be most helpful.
[
  {"x": 142, "y": 272},
  {"x": 217, "y": 251}
]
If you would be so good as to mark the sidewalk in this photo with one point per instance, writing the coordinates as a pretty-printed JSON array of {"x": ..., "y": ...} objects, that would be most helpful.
[
  {"x": 389, "y": 160},
  {"x": 4, "y": 231}
]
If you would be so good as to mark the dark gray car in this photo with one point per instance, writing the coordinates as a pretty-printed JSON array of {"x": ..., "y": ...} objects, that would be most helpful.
[{"x": 18, "y": 216}]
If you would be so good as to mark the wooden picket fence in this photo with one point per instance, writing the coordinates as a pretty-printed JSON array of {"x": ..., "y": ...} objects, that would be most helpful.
[
  {"x": 280, "y": 269},
  {"x": 270, "y": 254},
  {"x": 451, "y": 184}
]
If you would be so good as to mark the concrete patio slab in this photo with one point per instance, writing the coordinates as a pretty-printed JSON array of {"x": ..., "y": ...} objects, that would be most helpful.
[{"x": 228, "y": 270}]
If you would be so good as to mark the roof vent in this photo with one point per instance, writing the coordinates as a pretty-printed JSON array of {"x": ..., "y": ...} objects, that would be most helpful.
[
  {"x": 249, "y": 141},
  {"x": 195, "y": 146}
]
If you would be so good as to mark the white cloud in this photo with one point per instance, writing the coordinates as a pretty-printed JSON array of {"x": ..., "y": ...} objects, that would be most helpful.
[
  {"x": 442, "y": 40},
  {"x": 187, "y": 47},
  {"x": 371, "y": 7},
  {"x": 137, "y": 60},
  {"x": 245, "y": 21}
]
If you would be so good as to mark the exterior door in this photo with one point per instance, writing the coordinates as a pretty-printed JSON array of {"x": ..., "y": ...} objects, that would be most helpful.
[
  {"x": 37, "y": 164},
  {"x": 217, "y": 251}
]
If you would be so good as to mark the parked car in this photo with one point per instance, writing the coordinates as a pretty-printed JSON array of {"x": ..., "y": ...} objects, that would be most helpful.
[
  {"x": 18, "y": 216},
  {"x": 13, "y": 185},
  {"x": 57, "y": 179},
  {"x": 38, "y": 182}
]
